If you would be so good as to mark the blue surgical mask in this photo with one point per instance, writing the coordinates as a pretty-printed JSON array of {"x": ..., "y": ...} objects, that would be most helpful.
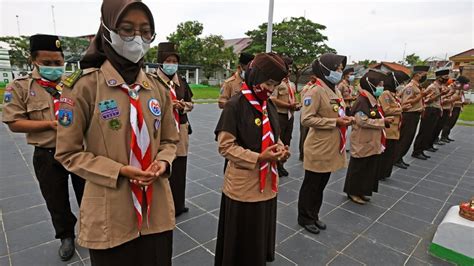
[
  {"x": 51, "y": 73},
  {"x": 351, "y": 78},
  {"x": 378, "y": 91},
  {"x": 334, "y": 76},
  {"x": 170, "y": 69}
]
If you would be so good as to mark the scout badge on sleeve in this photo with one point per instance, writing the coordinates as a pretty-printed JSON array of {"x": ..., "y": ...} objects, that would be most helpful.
[
  {"x": 154, "y": 106},
  {"x": 65, "y": 117},
  {"x": 307, "y": 101}
]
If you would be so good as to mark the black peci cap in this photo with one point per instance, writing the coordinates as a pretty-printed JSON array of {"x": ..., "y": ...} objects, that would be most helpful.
[
  {"x": 245, "y": 58},
  {"x": 421, "y": 68},
  {"x": 43, "y": 42},
  {"x": 442, "y": 72}
]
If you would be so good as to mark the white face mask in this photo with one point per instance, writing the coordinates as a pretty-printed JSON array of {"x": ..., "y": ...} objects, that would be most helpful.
[{"x": 133, "y": 50}]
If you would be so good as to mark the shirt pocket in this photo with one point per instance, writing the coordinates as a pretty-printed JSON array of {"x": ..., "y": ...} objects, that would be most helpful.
[
  {"x": 93, "y": 219},
  {"x": 38, "y": 110}
]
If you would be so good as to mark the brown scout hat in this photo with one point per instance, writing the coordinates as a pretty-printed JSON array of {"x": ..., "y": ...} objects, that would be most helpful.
[
  {"x": 166, "y": 49},
  {"x": 264, "y": 67}
]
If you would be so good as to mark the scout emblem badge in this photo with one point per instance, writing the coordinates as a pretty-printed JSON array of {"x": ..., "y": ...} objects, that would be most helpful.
[
  {"x": 108, "y": 109},
  {"x": 65, "y": 117}
]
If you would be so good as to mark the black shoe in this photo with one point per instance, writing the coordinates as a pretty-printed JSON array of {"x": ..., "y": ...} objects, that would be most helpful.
[
  {"x": 406, "y": 164},
  {"x": 449, "y": 139},
  {"x": 445, "y": 140},
  {"x": 418, "y": 156},
  {"x": 365, "y": 198},
  {"x": 184, "y": 210},
  {"x": 282, "y": 172},
  {"x": 426, "y": 156},
  {"x": 432, "y": 149},
  {"x": 438, "y": 142},
  {"x": 400, "y": 165},
  {"x": 67, "y": 248},
  {"x": 312, "y": 228},
  {"x": 320, "y": 225}
]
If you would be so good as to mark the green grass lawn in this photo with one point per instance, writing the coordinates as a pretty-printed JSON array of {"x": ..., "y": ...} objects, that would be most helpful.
[
  {"x": 468, "y": 113},
  {"x": 204, "y": 92},
  {"x": 2, "y": 90}
]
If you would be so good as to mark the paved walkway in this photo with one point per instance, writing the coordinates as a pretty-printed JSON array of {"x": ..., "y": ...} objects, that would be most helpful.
[{"x": 395, "y": 228}]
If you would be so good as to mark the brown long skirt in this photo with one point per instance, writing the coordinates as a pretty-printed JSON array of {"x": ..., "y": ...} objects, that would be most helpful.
[{"x": 246, "y": 233}]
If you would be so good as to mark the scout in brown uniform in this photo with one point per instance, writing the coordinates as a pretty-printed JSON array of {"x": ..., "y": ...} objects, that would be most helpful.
[
  {"x": 391, "y": 107},
  {"x": 324, "y": 114},
  {"x": 367, "y": 138},
  {"x": 424, "y": 140},
  {"x": 233, "y": 84},
  {"x": 284, "y": 99},
  {"x": 447, "y": 104},
  {"x": 410, "y": 95},
  {"x": 31, "y": 105},
  {"x": 304, "y": 130},
  {"x": 117, "y": 131},
  {"x": 181, "y": 95},
  {"x": 345, "y": 87},
  {"x": 461, "y": 85},
  {"x": 247, "y": 135}
]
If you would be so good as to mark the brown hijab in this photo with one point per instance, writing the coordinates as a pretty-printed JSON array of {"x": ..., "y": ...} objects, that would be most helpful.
[
  {"x": 332, "y": 62},
  {"x": 100, "y": 50}
]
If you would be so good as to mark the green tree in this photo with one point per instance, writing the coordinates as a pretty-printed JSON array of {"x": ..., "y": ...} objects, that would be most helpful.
[
  {"x": 152, "y": 55},
  {"x": 214, "y": 56},
  {"x": 297, "y": 37},
  {"x": 74, "y": 48},
  {"x": 19, "y": 50},
  {"x": 190, "y": 44},
  {"x": 414, "y": 60},
  {"x": 366, "y": 63}
]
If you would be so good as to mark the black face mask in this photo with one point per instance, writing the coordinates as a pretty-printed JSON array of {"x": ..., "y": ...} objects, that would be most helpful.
[{"x": 423, "y": 79}]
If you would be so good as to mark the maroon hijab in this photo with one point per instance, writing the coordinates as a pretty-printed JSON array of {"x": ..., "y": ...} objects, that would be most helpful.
[{"x": 100, "y": 50}]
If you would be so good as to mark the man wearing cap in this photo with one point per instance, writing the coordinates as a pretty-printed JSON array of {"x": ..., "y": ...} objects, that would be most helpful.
[
  {"x": 284, "y": 99},
  {"x": 32, "y": 108},
  {"x": 447, "y": 104},
  {"x": 233, "y": 84},
  {"x": 424, "y": 140},
  {"x": 460, "y": 85},
  {"x": 412, "y": 97}
]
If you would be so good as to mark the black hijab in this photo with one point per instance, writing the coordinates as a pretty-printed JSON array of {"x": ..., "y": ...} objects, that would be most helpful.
[
  {"x": 100, "y": 50},
  {"x": 332, "y": 62},
  {"x": 374, "y": 76},
  {"x": 394, "y": 79}
]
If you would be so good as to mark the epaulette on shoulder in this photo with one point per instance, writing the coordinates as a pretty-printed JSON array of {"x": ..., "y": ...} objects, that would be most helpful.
[
  {"x": 23, "y": 77},
  {"x": 71, "y": 79},
  {"x": 152, "y": 75},
  {"x": 230, "y": 79}
]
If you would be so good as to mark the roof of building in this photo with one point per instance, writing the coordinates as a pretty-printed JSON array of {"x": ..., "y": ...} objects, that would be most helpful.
[
  {"x": 468, "y": 53},
  {"x": 238, "y": 44},
  {"x": 392, "y": 66}
]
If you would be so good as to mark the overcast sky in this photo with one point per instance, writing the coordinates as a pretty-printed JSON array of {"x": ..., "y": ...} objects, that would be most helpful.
[{"x": 361, "y": 30}]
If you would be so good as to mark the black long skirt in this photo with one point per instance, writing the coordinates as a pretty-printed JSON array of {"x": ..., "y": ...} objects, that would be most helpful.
[
  {"x": 147, "y": 250},
  {"x": 386, "y": 159},
  {"x": 178, "y": 183},
  {"x": 246, "y": 232},
  {"x": 361, "y": 177}
]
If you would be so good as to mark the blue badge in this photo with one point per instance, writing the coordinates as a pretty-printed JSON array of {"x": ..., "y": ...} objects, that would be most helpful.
[
  {"x": 112, "y": 82},
  {"x": 408, "y": 91},
  {"x": 32, "y": 93},
  {"x": 154, "y": 107},
  {"x": 307, "y": 101},
  {"x": 65, "y": 117},
  {"x": 108, "y": 109},
  {"x": 7, "y": 97}
]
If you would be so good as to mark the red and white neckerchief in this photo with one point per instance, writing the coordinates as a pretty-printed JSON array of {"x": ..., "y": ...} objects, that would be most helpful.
[
  {"x": 291, "y": 96},
  {"x": 52, "y": 86},
  {"x": 267, "y": 138},
  {"x": 174, "y": 98},
  {"x": 342, "y": 129},
  {"x": 384, "y": 136},
  {"x": 140, "y": 151},
  {"x": 381, "y": 113}
]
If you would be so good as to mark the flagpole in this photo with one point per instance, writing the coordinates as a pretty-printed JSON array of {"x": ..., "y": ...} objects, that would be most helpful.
[{"x": 270, "y": 27}]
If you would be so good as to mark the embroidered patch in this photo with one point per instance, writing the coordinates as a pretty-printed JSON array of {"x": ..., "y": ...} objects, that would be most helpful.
[
  {"x": 154, "y": 106},
  {"x": 112, "y": 82},
  {"x": 115, "y": 124},
  {"x": 8, "y": 88},
  {"x": 7, "y": 97},
  {"x": 307, "y": 101},
  {"x": 388, "y": 99},
  {"x": 108, "y": 109},
  {"x": 32, "y": 93},
  {"x": 333, "y": 101},
  {"x": 67, "y": 101},
  {"x": 65, "y": 117},
  {"x": 157, "y": 124},
  {"x": 71, "y": 79},
  {"x": 408, "y": 91}
]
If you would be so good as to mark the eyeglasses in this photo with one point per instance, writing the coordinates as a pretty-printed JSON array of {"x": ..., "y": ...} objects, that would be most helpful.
[{"x": 127, "y": 34}]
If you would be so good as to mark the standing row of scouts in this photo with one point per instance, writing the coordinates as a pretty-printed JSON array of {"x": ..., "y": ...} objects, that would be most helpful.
[{"x": 122, "y": 135}]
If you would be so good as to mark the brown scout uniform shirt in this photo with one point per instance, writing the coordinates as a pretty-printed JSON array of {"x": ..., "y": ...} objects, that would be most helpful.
[
  {"x": 91, "y": 148},
  {"x": 30, "y": 101},
  {"x": 446, "y": 103},
  {"x": 281, "y": 93},
  {"x": 367, "y": 131},
  {"x": 183, "y": 144},
  {"x": 230, "y": 88},
  {"x": 411, "y": 91},
  {"x": 436, "y": 88},
  {"x": 391, "y": 107},
  {"x": 459, "y": 98},
  {"x": 319, "y": 113},
  {"x": 345, "y": 89}
]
